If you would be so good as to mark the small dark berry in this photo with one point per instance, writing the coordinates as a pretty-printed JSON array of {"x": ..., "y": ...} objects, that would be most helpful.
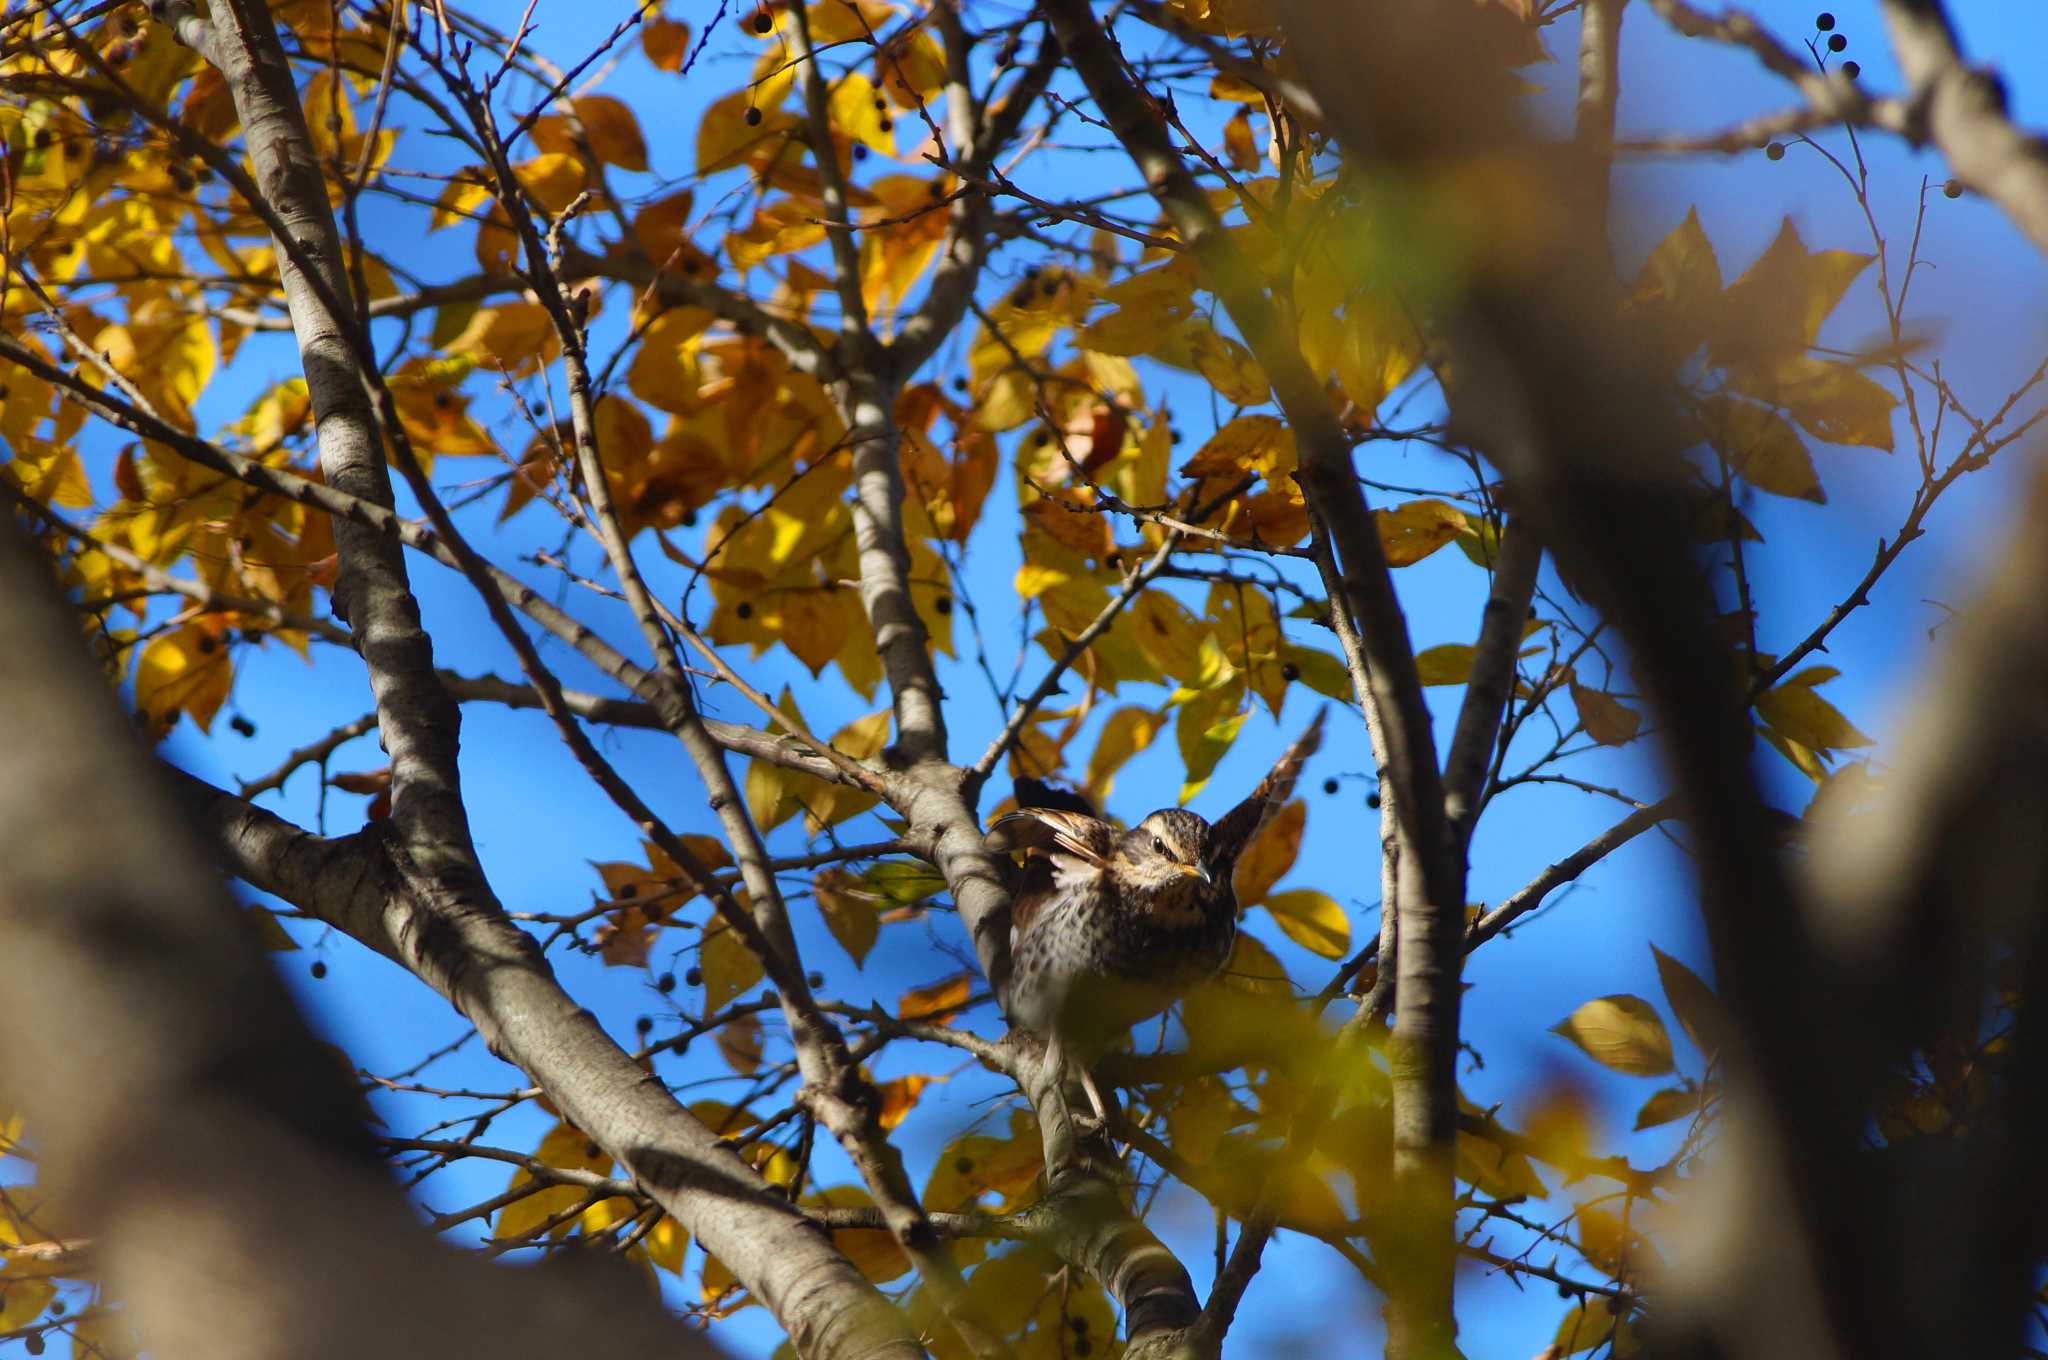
[
  {"x": 944, "y": 604},
  {"x": 689, "y": 519},
  {"x": 1115, "y": 559},
  {"x": 665, "y": 983},
  {"x": 33, "y": 1343},
  {"x": 208, "y": 646},
  {"x": 935, "y": 189},
  {"x": 1953, "y": 189},
  {"x": 752, "y": 117},
  {"x": 1372, "y": 800},
  {"x": 1823, "y": 21},
  {"x": 58, "y": 1308},
  {"x": 695, "y": 977},
  {"x": 860, "y": 151},
  {"x": 1290, "y": 672},
  {"x": 591, "y": 1149},
  {"x": 881, "y": 104},
  {"x": 1564, "y": 1291},
  {"x": 960, "y": 384},
  {"x": 1173, "y": 436},
  {"x": 643, "y": 1024},
  {"x": 762, "y": 23},
  {"x": 1837, "y": 42},
  {"x": 963, "y": 1165},
  {"x": 887, "y": 125},
  {"x": 744, "y": 610},
  {"x": 318, "y": 970},
  {"x": 814, "y": 980},
  {"x": 628, "y": 891},
  {"x": 1329, "y": 786},
  {"x": 243, "y": 727},
  {"x": 1775, "y": 151},
  {"x": 1851, "y": 70}
]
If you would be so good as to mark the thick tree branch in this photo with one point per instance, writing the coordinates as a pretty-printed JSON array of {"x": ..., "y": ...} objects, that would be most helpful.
[
  {"x": 171, "y": 1086},
  {"x": 494, "y": 975},
  {"x": 417, "y": 721}
]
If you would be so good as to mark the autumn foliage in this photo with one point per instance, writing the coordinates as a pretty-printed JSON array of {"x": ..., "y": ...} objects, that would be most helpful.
[{"x": 845, "y": 390}]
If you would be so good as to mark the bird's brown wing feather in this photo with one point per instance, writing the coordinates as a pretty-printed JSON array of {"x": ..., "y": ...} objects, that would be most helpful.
[
  {"x": 1047, "y": 836},
  {"x": 1236, "y": 828}
]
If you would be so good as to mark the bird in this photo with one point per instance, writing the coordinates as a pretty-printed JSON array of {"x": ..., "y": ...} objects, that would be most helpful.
[{"x": 1110, "y": 927}]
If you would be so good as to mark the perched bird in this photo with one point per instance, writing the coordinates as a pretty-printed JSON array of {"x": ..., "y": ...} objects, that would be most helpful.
[{"x": 1109, "y": 927}]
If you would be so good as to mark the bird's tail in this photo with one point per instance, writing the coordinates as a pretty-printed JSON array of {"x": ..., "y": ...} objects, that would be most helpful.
[{"x": 1236, "y": 828}]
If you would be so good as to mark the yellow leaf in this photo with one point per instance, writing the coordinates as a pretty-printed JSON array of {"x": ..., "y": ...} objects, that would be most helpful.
[
  {"x": 517, "y": 337},
  {"x": 1411, "y": 532},
  {"x": 1229, "y": 366},
  {"x": 900, "y": 1097},
  {"x": 1254, "y": 443},
  {"x": 1204, "y": 729},
  {"x": 937, "y": 1001},
  {"x": 1763, "y": 449},
  {"x": 1312, "y": 920},
  {"x": 1447, "y": 663},
  {"x": 1167, "y": 633},
  {"x": 729, "y": 967},
  {"x": 666, "y": 42},
  {"x": 1606, "y": 720},
  {"x": 666, "y": 1243},
  {"x": 849, "y": 914},
  {"x": 23, "y": 1301},
  {"x": 1586, "y": 1326},
  {"x": 1795, "y": 711},
  {"x": 553, "y": 178},
  {"x": 1271, "y": 854},
  {"x": 854, "y": 113},
  {"x": 911, "y": 67},
  {"x": 1128, "y": 731},
  {"x": 1621, "y": 1032},
  {"x": 612, "y": 131},
  {"x": 564, "y": 1146},
  {"x": 184, "y": 671},
  {"x": 459, "y": 199}
]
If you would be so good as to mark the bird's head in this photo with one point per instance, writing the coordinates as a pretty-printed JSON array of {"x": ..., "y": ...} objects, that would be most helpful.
[{"x": 1164, "y": 858}]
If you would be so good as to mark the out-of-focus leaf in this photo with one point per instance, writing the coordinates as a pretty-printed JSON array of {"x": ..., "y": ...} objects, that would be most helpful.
[
  {"x": 1692, "y": 1001},
  {"x": 1312, "y": 920},
  {"x": 1620, "y": 1032}
]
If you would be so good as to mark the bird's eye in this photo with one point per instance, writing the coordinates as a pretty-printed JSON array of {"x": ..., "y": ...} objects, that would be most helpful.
[{"x": 1160, "y": 846}]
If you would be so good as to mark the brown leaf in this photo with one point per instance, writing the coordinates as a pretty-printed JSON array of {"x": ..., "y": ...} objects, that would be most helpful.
[
  {"x": 938, "y": 1001},
  {"x": 1692, "y": 1001},
  {"x": 739, "y": 1043},
  {"x": 1606, "y": 720},
  {"x": 1620, "y": 1032}
]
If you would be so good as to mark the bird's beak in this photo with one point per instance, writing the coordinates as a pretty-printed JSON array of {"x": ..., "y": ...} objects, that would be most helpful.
[{"x": 1200, "y": 871}]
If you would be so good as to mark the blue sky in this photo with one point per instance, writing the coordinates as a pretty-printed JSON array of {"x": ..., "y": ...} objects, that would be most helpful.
[{"x": 538, "y": 828}]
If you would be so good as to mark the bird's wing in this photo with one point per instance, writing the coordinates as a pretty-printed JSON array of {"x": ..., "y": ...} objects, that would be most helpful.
[
  {"x": 1059, "y": 847},
  {"x": 1036, "y": 793},
  {"x": 1236, "y": 828},
  {"x": 1053, "y": 831}
]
